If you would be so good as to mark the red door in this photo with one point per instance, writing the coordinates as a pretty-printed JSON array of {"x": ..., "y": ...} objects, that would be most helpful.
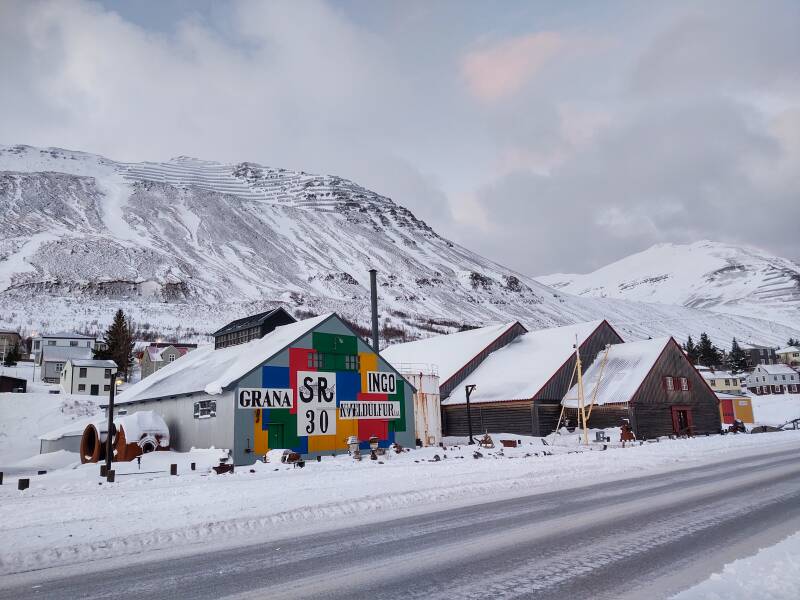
[
  {"x": 682, "y": 420},
  {"x": 727, "y": 411}
]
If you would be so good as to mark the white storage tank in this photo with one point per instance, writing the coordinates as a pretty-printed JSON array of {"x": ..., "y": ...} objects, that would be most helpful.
[{"x": 427, "y": 402}]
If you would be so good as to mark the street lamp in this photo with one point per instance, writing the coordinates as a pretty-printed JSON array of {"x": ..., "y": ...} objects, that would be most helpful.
[
  {"x": 111, "y": 391},
  {"x": 469, "y": 389}
]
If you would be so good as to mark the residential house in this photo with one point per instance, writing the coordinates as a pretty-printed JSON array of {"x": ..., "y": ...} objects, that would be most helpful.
[
  {"x": 454, "y": 356},
  {"x": 251, "y": 328},
  {"x": 62, "y": 339},
  {"x": 520, "y": 386},
  {"x": 7, "y": 341},
  {"x": 88, "y": 376},
  {"x": 156, "y": 356},
  {"x": 308, "y": 386},
  {"x": 52, "y": 359},
  {"x": 790, "y": 355},
  {"x": 774, "y": 379},
  {"x": 723, "y": 381},
  {"x": 759, "y": 355},
  {"x": 653, "y": 385}
]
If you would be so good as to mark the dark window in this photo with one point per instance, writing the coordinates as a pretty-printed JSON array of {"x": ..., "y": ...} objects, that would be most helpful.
[
  {"x": 108, "y": 374},
  {"x": 106, "y": 388},
  {"x": 73, "y": 343},
  {"x": 205, "y": 409},
  {"x": 51, "y": 342},
  {"x": 81, "y": 387},
  {"x": 82, "y": 372}
]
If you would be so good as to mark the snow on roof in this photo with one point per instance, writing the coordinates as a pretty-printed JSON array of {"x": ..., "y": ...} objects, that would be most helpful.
[
  {"x": 788, "y": 350},
  {"x": 520, "y": 369},
  {"x": 88, "y": 362},
  {"x": 143, "y": 422},
  {"x": 64, "y": 353},
  {"x": 448, "y": 352},
  {"x": 777, "y": 369},
  {"x": 154, "y": 353},
  {"x": 210, "y": 371},
  {"x": 74, "y": 428},
  {"x": 623, "y": 372},
  {"x": 65, "y": 335},
  {"x": 708, "y": 374}
]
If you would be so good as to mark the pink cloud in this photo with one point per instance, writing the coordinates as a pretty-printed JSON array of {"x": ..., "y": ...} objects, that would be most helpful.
[{"x": 500, "y": 70}]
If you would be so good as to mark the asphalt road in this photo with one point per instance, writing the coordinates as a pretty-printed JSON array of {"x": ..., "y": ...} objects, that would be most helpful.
[{"x": 645, "y": 537}]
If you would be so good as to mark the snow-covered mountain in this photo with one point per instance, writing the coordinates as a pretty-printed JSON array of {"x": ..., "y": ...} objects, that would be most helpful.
[
  {"x": 710, "y": 275},
  {"x": 187, "y": 245}
]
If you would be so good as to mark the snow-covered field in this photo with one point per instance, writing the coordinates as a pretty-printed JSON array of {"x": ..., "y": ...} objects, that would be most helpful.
[
  {"x": 148, "y": 509},
  {"x": 775, "y": 409},
  {"x": 772, "y": 574}
]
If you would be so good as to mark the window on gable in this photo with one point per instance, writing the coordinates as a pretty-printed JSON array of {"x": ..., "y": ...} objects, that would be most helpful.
[
  {"x": 684, "y": 384},
  {"x": 171, "y": 357},
  {"x": 669, "y": 384}
]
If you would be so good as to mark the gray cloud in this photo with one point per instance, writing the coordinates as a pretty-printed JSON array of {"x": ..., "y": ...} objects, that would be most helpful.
[{"x": 546, "y": 139}]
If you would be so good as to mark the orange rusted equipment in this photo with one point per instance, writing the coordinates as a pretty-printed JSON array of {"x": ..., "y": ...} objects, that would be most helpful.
[
  {"x": 626, "y": 432},
  {"x": 136, "y": 434}
]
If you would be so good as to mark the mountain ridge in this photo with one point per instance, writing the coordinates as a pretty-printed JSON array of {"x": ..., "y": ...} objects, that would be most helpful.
[{"x": 187, "y": 245}]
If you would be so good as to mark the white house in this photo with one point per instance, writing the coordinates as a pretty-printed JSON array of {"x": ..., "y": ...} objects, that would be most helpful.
[
  {"x": 87, "y": 376},
  {"x": 61, "y": 339},
  {"x": 774, "y": 379}
]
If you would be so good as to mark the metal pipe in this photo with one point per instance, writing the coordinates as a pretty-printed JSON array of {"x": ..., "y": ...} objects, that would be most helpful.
[
  {"x": 469, "y": 389},
  {"x": 373, "y": 292},
  {"x": 111, "y": 391}
]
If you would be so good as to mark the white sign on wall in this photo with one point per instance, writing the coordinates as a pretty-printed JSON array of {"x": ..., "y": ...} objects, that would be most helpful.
[
  {"x": 369, "y": 409},
  {"x": 316, "y": 403},
  {"x": 255, "y": 398},
  {"x": 381, "y": 382}
]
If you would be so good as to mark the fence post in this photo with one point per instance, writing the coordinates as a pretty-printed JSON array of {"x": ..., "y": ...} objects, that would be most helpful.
[
  {"x": 110, "y": 475},
  {"x": 173, "y": 469}
]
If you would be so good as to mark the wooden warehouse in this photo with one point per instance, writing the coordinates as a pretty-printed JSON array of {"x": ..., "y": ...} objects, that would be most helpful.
[
  {"x": 456, "y": 355},
  {"x": 651, "y": 383},
  {"x": 520, "y": 387}
]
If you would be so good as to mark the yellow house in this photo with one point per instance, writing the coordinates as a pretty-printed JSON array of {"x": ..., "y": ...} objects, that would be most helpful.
[
  {"x": 723, "y": 381},
  {"x": 735, "y": 406},
  {"x": 789, "y": 356}
]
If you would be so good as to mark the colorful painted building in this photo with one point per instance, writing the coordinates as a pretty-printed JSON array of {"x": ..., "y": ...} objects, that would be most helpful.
[{"x": 306, "y": 386}]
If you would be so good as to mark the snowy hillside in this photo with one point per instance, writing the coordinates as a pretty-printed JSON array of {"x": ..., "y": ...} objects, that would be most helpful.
[
  {"x": 188, "y": 245},
  {"x": 710, "y": 275}
]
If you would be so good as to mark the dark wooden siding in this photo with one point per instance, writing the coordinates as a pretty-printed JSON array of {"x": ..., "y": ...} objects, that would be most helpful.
[
  {"x": 495, "y": 417},
  {"x": 509, "y": 335},
  {"x": 554, "y": 390},
  {"x": 651, "y": 406},
  {"x": 602, "y": 417}
]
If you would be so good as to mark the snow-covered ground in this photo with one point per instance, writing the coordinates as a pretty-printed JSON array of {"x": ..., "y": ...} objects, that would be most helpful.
[
  {"x": 147, "y": 509},
  {"x": 772, "y": 574},
  {"x": 775, "y": 409}
]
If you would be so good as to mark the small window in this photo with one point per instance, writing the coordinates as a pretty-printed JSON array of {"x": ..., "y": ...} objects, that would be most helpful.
[
  {"x": 711, "y": 382},
  {"x": 784, "y": 377},
  {"x": 81, "y": 387},
  {"x": 36, "y": 344},
  {"x": 59, "y": 367},
  {"x": 73, "y": 343},
  {"x": 171, "y": 357},
  {"x": 205, "y": 409},
  {"x": 684, "y": 384},
  {"x": 669, "y": 383},
  {"x": 82, "y": 372},
  {"x": 727, "y": 382},
  {"x": 776, "y": 389},
  {"x": 108, "y": 374},
  {"x": 89, "y": 344},
  {"x": 106, "y": 388},
  {"x": 51, "y": 342}
]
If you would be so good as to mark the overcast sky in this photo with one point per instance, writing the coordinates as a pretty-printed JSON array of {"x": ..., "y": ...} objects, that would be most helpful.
[{"x": 549, "y": 136}]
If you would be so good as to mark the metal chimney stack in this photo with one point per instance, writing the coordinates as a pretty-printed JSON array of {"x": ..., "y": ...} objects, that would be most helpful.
[{"x": 373, "y": 293}]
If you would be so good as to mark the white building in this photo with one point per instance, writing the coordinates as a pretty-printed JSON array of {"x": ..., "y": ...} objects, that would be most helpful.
[
  {"x": 774, "y": 379},
  {"x": 789, "y": 356},
  {"x": 87, "y": 376},
  {"x": 61, "y": 339}
]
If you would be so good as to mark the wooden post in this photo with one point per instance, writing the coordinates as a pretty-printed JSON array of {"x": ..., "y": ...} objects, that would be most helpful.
[
  {"x": 193, "y": 466},
  {"x": 173, "y": 469},
  {"x": 1, "y": 478},
  {"x": 103, "y": 470},
  {"x": 110, "y": 475},
  {"x": 23, "y": 484}
]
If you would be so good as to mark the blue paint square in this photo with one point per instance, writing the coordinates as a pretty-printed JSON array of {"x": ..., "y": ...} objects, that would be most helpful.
[{"x": 348, "y": 385}]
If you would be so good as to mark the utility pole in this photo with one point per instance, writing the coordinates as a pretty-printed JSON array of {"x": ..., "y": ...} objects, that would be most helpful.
[
  {"x": 111, "y": 391},
  {"x": 469, "y": 389},
  {"x": 581, "y": 399}
]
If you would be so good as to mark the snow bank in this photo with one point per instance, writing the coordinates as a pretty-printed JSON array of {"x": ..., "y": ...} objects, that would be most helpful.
[
  {"x": 273, "y": 500},
  {"x": 772, "y": 574},
  {"x": 775, "y": 409}
]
